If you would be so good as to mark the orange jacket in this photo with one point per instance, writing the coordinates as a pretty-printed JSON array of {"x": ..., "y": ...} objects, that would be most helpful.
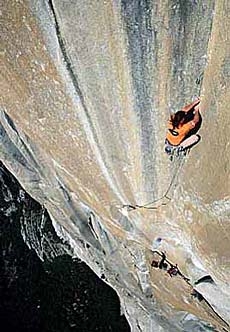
[
  {"x": 180, "y": 133},
  {"x": 176, "y": 136}
]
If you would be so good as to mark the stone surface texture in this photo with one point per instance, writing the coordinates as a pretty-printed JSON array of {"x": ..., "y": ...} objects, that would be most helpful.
[{"x": 86, "y": 90}]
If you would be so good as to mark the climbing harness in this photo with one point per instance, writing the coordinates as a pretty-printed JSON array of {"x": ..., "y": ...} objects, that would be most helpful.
[{"x": 173, "y": 151}]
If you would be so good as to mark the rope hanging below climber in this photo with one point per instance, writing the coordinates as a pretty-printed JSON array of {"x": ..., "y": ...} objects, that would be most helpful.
[{"x": 181, "y": 137}]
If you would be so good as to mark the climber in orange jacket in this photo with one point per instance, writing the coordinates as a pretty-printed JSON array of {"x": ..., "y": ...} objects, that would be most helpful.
[{"x": 183, "y": 126}]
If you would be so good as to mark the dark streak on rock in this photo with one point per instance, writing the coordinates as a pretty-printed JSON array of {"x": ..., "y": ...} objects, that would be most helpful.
[
  {"x": 142, "y": 46},
  {"x": 80, "y": 218},
  {"x": 69, "y": 68},
  {"x": 25, "y": 158},
  {"x": 190, "y": 28},
  {"x": 92, "y": 228},
  {"x": 74, "y": 79},
  {"x": 10, "y": 122},
  {"x": 202, "y": 298},
  {"x": 138, "y": 326},
  {"x": 10, "y": 146}
]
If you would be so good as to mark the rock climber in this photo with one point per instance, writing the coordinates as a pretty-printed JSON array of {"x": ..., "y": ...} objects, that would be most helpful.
[
  {"x": 173, "y": 270},
  {"x": 183, "y": 126},
  {"x": 162, "y": 263}
]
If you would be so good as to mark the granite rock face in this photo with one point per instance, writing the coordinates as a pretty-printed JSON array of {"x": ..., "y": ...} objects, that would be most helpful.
[
  {"x": 46, "y": 289},
  {"x": 87, "y": 87}
]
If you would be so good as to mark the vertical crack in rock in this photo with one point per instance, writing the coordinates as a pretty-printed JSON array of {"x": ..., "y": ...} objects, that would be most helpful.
[
  {"x": 68, "y": 63},
  {"x": 28, "y": 159},
  {"x": 110, "y": 177}
]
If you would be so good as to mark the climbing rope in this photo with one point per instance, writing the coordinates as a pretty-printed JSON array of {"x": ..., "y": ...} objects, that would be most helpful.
[{"x": 180, "y": 159}]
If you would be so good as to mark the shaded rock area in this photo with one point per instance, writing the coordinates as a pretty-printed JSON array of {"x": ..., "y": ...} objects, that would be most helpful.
[
  {"x": 56, "y": 294},
  {"x": 204, "y": 279}
]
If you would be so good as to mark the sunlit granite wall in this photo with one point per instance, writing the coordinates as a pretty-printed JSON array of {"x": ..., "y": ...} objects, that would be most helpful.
[{"x": 87, "y": 87}]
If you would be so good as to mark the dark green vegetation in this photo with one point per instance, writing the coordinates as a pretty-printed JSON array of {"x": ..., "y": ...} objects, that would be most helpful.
[{"x": 58, "y": 295}]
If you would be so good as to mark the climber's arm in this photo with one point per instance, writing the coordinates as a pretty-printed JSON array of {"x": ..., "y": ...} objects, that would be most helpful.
[
  {"x": 196, "y": 118},
  {"x": 188, "y": 107}
]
